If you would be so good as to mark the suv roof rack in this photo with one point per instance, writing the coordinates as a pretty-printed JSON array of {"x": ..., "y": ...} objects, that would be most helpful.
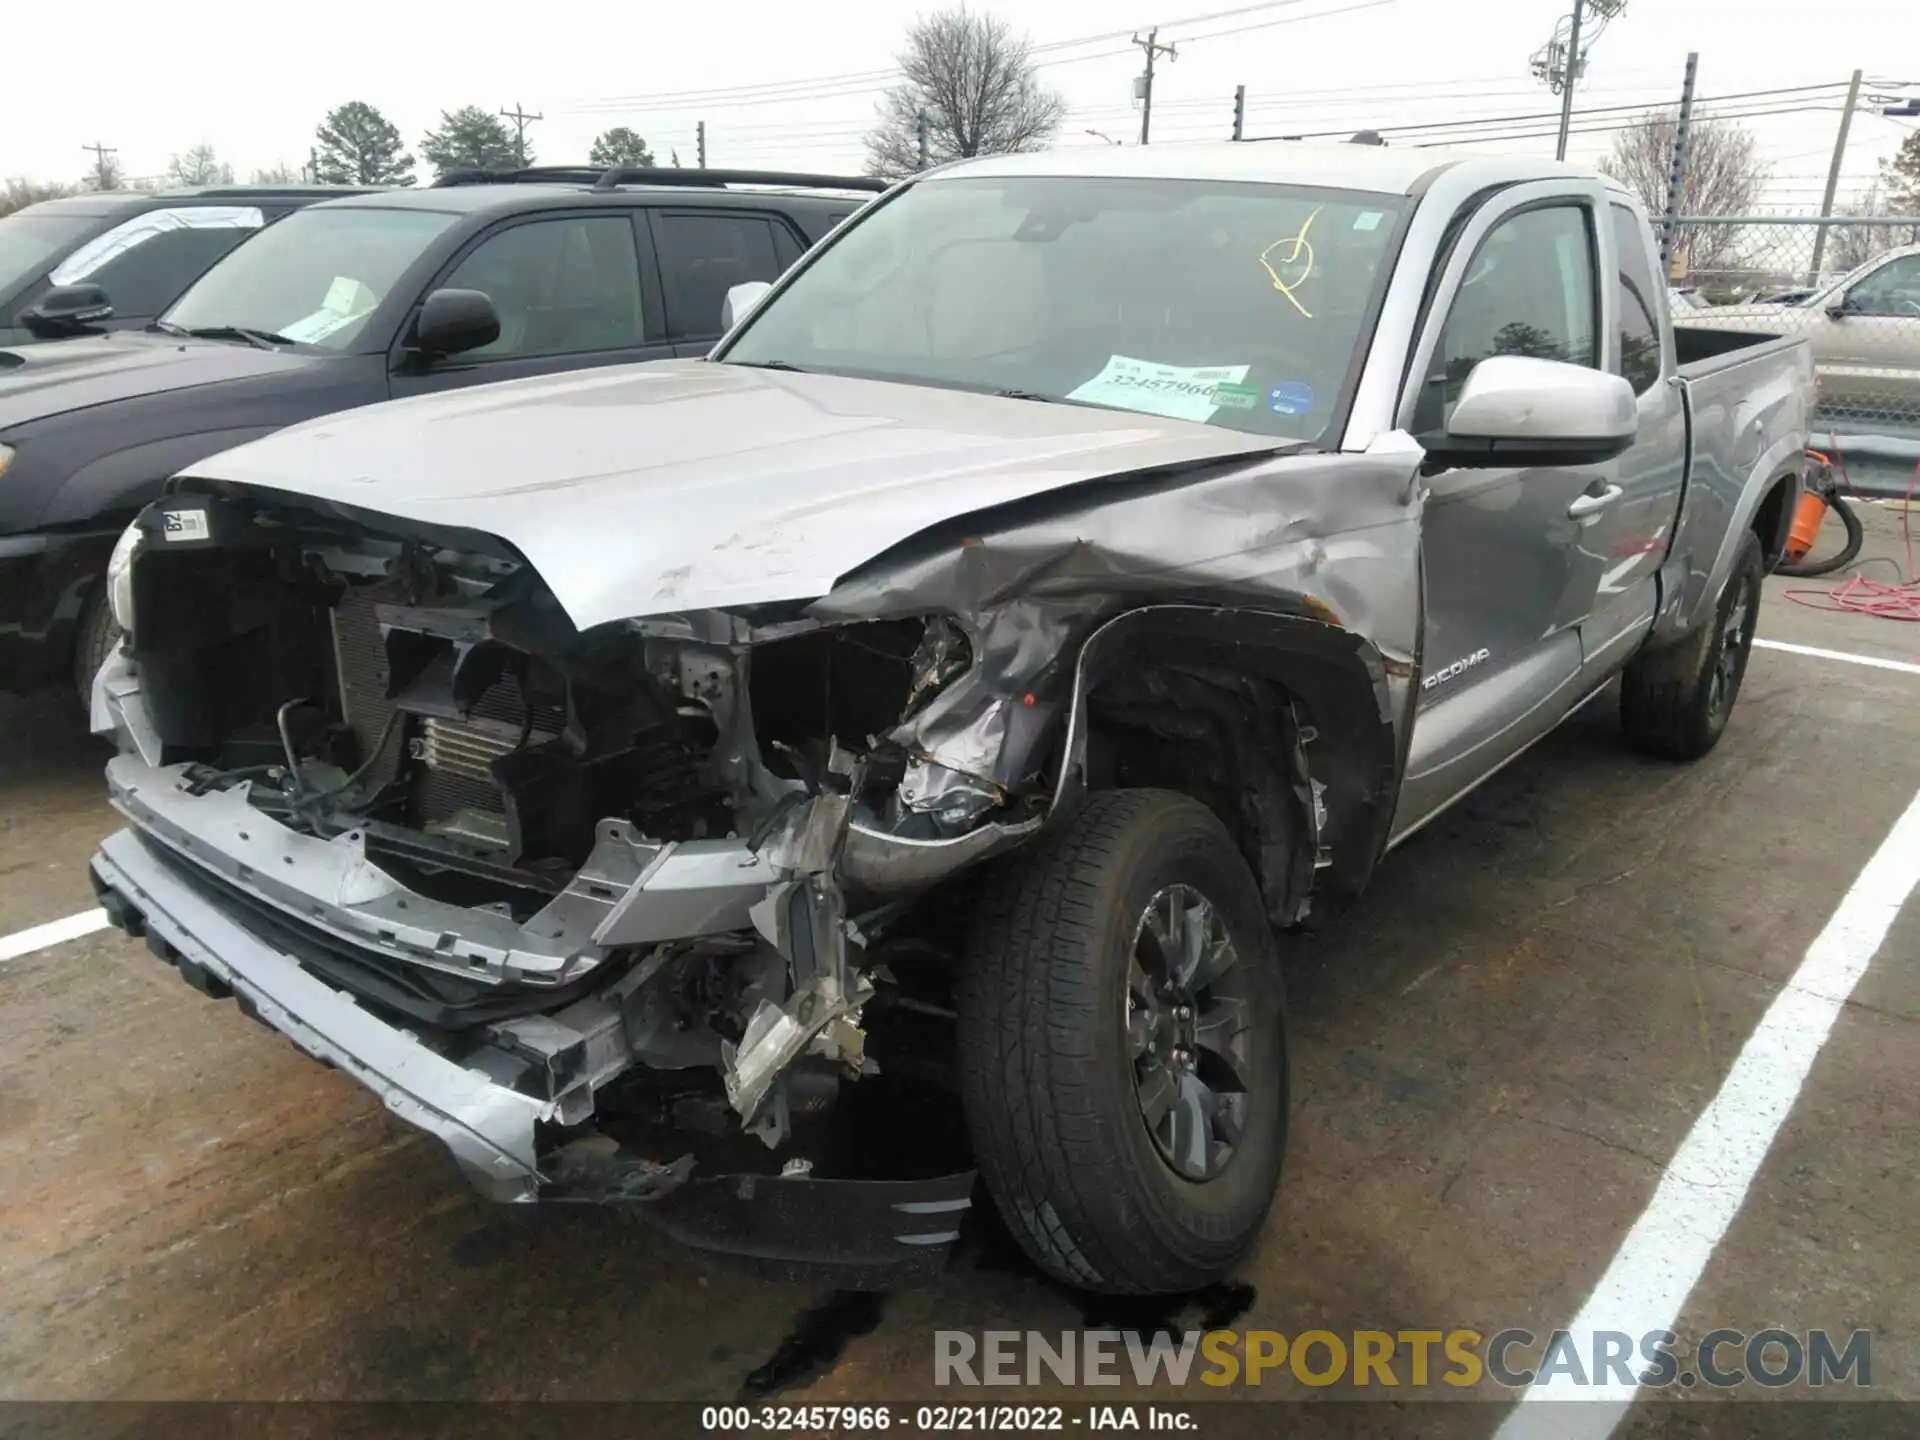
[{"x": 605, "y": 179}]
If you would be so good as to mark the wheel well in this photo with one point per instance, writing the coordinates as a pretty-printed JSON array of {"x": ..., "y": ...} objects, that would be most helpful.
[
  {"x": 1273, "y": 723},
  {"x": 1772, "y": 520}
]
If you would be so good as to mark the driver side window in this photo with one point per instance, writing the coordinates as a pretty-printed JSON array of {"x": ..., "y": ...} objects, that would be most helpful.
[
  {"x": 1529, "y": 290},
  {"x": 1893, "y": 289}
]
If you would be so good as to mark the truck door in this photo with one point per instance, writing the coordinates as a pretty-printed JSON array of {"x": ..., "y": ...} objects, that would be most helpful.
[
  {"x": 1510, "y": 572},
  {"x": 1633, "y": 530}
]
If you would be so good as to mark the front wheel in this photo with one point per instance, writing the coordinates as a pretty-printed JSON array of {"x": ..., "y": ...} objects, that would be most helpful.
[
  {"x": 93, "y": 642},
  {"x": 1674, "y": 702},
  {"x": 1123, "y": 1049}
]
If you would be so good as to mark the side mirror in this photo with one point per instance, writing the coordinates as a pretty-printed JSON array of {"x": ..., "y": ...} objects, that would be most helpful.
[
  {"x": 1838, "y": 309},
  {"x": 740, "y": 302},
  {"x": 454, "y": 321},
  {"x": 1515, "y": 410},
  {"x": 67, "y": 310}
]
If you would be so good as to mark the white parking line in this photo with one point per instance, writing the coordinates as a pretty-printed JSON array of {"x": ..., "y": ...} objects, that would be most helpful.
[
  {"x": 1905, "y": 667},
  {"x": 1707, "y": 1180},
  {"x": 54, "y": 932}
]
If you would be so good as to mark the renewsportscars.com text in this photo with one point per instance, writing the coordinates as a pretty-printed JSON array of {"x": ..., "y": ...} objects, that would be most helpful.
[{"x": 1512, "y": 1358}]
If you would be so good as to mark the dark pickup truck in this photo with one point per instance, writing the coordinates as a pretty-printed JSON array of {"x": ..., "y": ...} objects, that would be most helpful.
[{"x": 383, "y": 295}]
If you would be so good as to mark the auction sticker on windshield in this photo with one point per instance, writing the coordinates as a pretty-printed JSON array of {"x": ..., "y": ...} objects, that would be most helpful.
[{"x": 1179, "y": 392}]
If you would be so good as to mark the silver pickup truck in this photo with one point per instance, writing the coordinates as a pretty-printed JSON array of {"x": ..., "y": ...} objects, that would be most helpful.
[{"x": 768, "y": 790}]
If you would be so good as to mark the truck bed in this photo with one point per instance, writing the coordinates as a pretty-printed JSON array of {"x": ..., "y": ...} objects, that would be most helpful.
[
  {"x": 1749, "y": 402},
  {"x": 1702, "y": 350}
]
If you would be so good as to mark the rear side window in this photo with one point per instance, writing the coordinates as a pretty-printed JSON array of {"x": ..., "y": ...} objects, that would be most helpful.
[
  {"x": 1639, "y": 327},
  {"x": 702, "y": 256}
]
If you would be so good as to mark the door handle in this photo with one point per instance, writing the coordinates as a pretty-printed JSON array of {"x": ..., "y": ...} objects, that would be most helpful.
[{"x": 1592, "y": 504}]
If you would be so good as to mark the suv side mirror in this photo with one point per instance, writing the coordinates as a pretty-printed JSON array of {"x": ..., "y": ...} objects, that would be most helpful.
[
  {"x": 67, "y": 310},
  {"x": 1515, "y": 410},
  {"x": 1838, "y": 310},
  {"x": 453, "y": 321},
  {"x": 740, "y": 302}
]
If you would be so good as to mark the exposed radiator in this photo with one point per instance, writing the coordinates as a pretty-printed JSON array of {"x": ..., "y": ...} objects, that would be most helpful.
[{"x": 360, "y": 661}]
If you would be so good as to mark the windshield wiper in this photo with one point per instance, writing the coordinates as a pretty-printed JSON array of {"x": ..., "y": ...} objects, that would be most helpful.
[
  {"x": 259, "y": 339},
  {"x": 768, "y": 365},
  {"x": 1029, "y": 395},
  {"x": 167, "y": 327}
]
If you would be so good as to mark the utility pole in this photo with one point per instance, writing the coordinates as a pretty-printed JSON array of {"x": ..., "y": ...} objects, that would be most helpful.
[
  {"x": 1677, "y": 170},
  {"x": 1153, "y": 47},
  {"x": 102, "y": 172},
  {"x": 520, "y": 119},
  {"x": 1561, "y": 63},
  {"x": 1566, "y": 90},
  {"x": 313, "y": 165},
  {"x": 920, "y": 126},
  {"x": 700, "y": 139},
  {"x": 1239, "y": 111},
  {"x": 1833, "y": 178}
]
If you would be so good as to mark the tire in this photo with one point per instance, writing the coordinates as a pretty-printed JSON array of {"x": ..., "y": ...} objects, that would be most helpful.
[
  {"x": 1052, "y": 1013},
  {"x": 92, "y": 643},
  {"x": 1856, "y": 536},
  {"x": 1674, "y": 702}
]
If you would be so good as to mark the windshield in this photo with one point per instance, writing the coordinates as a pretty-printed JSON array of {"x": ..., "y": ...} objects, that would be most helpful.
[
  {"x": 315, "y": 278},
  {"x": 28, "y": 241},
  {"x": 1236, "y": 305}
]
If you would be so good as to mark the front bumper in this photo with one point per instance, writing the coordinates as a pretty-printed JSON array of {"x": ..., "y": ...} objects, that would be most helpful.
[
  {"x": 512, "y": 1145},
  {"x": 44, "y": 583}
]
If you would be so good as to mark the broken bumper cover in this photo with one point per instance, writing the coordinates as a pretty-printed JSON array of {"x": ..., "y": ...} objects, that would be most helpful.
[{"x": 889, "y": 1228}]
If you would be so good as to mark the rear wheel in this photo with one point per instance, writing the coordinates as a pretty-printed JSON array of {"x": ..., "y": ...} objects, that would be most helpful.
[
  {"x": 1122, "y": 1046},
  {"x": 93, "y": 642},
  {"x": 1675, "y": 702}
]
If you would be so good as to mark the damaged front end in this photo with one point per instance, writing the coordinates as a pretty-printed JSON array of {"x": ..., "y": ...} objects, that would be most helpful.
[
  {"x": 668, "y": 909},
  {"x": 619, "y": 915}
]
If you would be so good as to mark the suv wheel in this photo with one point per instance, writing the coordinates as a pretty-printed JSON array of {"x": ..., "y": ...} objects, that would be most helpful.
[
  {"x": 1123, "y": 1049},
  {"x": 92, "y": 643}
]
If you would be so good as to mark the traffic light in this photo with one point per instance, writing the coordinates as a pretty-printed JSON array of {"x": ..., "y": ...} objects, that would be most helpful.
[{"x": 1239, "y": 111}]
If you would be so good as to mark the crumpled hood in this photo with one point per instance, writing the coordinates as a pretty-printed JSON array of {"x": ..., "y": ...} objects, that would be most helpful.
[
  {"x": 684, "y": 485},
  {"x": 59, "y": 377}
]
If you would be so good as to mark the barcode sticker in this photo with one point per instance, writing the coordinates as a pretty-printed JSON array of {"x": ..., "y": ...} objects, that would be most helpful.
[{"x": 184, "y": 524}]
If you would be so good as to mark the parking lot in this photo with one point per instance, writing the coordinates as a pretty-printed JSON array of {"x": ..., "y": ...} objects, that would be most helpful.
[{"x": 1496, "y": 1059}]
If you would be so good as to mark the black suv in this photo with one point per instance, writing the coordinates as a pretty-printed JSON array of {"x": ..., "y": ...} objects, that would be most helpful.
[
  {"x": 139, "y": 249},
  {"x": 482, "y": 277}
]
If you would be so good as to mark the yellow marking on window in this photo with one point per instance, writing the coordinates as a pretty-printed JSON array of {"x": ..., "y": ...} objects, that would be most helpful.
[{"x": 1301, "y": 245}]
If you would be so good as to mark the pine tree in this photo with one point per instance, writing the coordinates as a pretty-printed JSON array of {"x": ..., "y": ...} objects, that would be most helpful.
[{"x": 357, "y": 145}]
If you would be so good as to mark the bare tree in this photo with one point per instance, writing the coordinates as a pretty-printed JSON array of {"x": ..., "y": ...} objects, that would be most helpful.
[
  {"x": 1851, "y": 246},
  {"x": 1724, "y": 176},
  {"x": 19, "y": 192},
  {"x": 198, "y": 166},
  {"x": 972, "y": 79}
]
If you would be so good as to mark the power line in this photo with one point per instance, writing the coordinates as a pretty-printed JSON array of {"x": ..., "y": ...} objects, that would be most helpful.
[{"x": 824, "y": 85}]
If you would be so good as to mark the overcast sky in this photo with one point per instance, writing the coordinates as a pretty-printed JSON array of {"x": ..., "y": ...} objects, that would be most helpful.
[{"x": 794, "y": 85}]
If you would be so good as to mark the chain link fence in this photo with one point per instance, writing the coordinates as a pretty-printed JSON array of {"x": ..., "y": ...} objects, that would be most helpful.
[{"x": 1850, "y": 286}]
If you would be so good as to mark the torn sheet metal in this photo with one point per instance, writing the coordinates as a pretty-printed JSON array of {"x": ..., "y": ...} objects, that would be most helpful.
[{"x": 1329, "y": 542}]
